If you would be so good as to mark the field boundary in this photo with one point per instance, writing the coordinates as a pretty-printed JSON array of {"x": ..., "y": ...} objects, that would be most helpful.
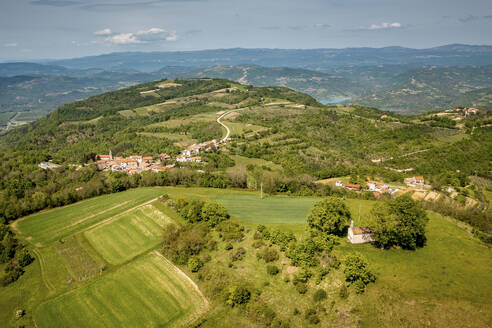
[
  {"x": 201, "y": 311},
  {"x": 115, "y": 216},
  {"x": 42, "y": 266}
]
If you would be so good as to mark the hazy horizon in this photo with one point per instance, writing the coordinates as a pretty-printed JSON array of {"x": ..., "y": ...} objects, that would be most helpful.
[{"x": 59, "y": 29}]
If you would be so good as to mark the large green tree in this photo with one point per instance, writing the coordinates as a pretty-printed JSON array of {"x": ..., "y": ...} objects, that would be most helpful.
[
  {"x": 214, "y": 213},
  {"x": 399, "y": 222},
  {"x": 329, "y": 215}
]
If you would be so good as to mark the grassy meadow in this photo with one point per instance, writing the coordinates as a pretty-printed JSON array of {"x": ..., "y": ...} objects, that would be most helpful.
[
  {"x": 444, "y": 284},
  {"x": 48, "y": 226},
  {"x": 148, "y": 292},
  {"x": 121, "y": 239}
]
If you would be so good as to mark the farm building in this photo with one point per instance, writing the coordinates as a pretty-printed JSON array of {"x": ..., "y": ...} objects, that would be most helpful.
[
  {"x": 355, "y": 187},
  {"x": 359, "y": 235},
  {"x": 414, "y": 181}
]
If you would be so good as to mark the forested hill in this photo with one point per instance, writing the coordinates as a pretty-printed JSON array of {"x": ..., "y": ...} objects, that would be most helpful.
[{"x": 113, "y": 118}]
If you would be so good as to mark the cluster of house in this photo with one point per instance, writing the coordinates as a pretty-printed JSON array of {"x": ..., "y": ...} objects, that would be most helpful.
[
  {"x": 462, "y": 113},
  {"x": 138, "y": 164},
  {"x": 378, "y": 188},
  {"x": 132, "y": 164},
  {"x": 190, "y": 154},
  {"x": 415, "y": 182}
]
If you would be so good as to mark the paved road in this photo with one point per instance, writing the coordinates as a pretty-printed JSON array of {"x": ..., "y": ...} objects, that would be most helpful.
[{"x": 225, "y": 126}]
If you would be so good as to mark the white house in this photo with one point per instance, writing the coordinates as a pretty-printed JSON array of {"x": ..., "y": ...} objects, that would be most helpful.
[
  {"x": 359, "y": 235},
  {"x": 339, "y": 183}
]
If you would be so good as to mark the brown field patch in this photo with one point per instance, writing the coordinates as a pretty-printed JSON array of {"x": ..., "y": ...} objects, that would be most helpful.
[{"x": 169, "y": 85}]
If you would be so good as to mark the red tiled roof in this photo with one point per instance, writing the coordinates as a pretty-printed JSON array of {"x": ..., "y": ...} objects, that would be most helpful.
[{"x": 361, "y": 230}]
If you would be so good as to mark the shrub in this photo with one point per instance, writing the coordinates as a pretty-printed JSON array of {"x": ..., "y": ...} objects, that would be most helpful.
[
  {"x": 238, "y": 255},
  {"x": 301, "y": 288},
  {"x": 303, "y": 275},
  {"x": 319, "y": 295},
  {"x": 12, "y": 274},
  {"x": 237, "y": 295},
  {"x": 357, "y": 271},
  {"x": 329, "y": 215},
  {"x": 359, "y": 286},
  {"x": 194, "y": 264},
  {"x": 343, "y": 291},
  {"x": 272, "y": 270},
  {"x": 261, "y": 313},
  {"x": 228, "y": 246},
  {"x": 192, "y": 212},
  {"x": 312, "y": 317},
  {"x": 24, "y": 258},
  {"x": 269, "y": 254},
  {"x": 214, "y": 213}
]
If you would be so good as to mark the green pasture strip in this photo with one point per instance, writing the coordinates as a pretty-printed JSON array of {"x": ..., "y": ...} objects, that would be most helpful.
[
  {"x": 131, "y": 234},
  {"x": 283, "y": 209},
  {"x": 77, "y": 260},
  {"x": 148, "y": 292},
  {"x": 45, "y": 227},
  {"x": 447, "y": 279}
]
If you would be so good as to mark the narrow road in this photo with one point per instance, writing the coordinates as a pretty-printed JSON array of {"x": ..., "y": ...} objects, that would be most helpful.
[{"x": 225, "y": 126}]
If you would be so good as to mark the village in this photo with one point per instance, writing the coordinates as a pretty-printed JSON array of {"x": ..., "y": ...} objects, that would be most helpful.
[{"x": 137, "y": 164}]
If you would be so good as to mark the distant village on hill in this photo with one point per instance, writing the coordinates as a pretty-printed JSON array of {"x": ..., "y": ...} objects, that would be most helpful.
[{"x": 138, "y": 164}]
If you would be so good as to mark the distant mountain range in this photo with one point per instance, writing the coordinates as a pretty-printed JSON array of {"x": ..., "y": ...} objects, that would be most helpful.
[
  {"x": 397, "y": 79},
  {"x": 317, "y": 59}
]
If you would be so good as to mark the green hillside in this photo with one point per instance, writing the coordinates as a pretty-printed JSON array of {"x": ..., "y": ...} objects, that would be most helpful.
[{"x": 224, "y": 241}]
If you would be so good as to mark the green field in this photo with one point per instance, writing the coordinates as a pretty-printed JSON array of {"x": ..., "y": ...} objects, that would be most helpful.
[
  {"x": 282, "y": 209},
  {"x": 149, "y": 292},
  {"x": 445, "y": 284},
  {"x": 48, "y": 226},
  {"x": 123, "y": 238}
]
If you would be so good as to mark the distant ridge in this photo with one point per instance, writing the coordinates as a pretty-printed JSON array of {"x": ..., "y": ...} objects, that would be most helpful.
[{"x": 318, "y": 59}]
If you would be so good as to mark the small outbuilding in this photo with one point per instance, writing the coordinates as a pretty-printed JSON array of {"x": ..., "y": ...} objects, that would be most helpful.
[{"x": 360, "y": 235}]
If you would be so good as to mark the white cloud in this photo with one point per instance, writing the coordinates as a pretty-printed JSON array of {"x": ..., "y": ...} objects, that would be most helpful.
[
  {"x": 106, "y": 31},
  {"x": 382, "y": 26},
  {"x": 9, "y": 45},
  {"x": 123, "y": 38},
  {"x": 321, "y": 25},
  {"x": 154, "y": 34}
]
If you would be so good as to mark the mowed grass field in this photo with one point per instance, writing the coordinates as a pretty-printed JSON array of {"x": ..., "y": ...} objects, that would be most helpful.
[
  {"x": 149, "y": 292},
  {"x": 283, "y": 209},
  {"x": 48, "y": 226},
  {"x": 123, "y": 238}
]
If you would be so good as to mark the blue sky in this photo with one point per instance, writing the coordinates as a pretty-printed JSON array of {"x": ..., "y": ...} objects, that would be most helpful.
[{"x": 34, "y": 29}]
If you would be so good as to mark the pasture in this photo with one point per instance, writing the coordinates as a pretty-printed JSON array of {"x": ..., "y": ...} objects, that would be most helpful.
[
  {"x": 444, "y": 284},
  {"x": 48, "y": 226},
  {"x": 283, "y": 209},
  {"x": 128, "y": 235},
  {"x": 148, "y": 292}
]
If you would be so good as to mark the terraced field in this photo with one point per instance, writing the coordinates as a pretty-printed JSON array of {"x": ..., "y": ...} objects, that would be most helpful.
[
  {"x": 148, "y": 292},
  {"x": 48, "y": 226},
  {"x": 134, "y": 232}
]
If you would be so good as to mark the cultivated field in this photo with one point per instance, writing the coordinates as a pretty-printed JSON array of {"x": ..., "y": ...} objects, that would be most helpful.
[
  {"x": 281, "y": 209},
  {"x": 130, "y": 234},
  {"x": 149, "y": 292},
  {"x": 48, "y": 226}
]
